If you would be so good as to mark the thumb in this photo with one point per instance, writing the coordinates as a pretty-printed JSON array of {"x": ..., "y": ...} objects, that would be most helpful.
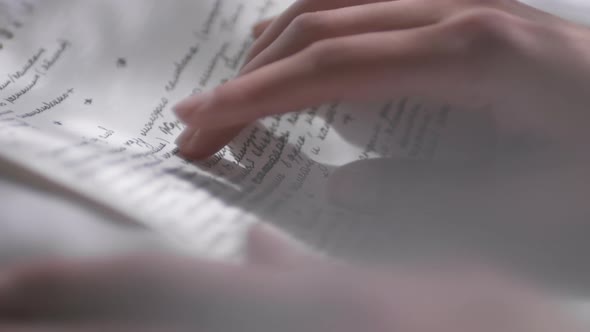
[
  {"x": 383, "y": 186},
  {"x": 421, "y": 207},
  {"x": 536, "y": 191}
]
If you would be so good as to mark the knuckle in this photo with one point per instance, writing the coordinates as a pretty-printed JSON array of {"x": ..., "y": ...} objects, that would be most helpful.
[
  {"x": 230, "y": 94},
  {"x": 322, "y": 54},
  {"x": 245, "y": 94},
  {"x": 481, "y": 21},
  {"x": 483, "y": 3},
  {"x": 308, "y": 24},
  {"x": 485, "y": 29}
]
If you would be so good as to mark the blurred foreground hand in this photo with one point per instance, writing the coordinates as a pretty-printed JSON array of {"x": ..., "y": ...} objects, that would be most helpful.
[{"x": 282, "y": 288}]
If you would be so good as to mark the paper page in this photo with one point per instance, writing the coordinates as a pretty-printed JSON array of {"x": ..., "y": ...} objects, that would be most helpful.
[{"x": 86, "y": 90}]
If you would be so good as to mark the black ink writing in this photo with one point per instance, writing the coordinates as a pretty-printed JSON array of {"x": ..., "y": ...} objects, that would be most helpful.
[
  {"x": 180, "y": 66},
  {"x": 17, "y": 95},
  {"x": 28, "y": 65},
  {"x": 154, "y": 116},
  {"x": 48, "y": 63},
  {"x": 49, "y": 105}
]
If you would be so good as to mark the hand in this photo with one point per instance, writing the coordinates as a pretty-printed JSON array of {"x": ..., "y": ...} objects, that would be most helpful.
[
  {"x": 283, "y": 288},
  {"x": 527, "y": 68}
]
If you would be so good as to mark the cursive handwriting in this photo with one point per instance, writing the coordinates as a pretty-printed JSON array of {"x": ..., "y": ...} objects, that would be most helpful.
[
  {"x": 28, "y": 65},
  {"x": 213, "y": 16},
  {"x": 48, "y": 63},
  {"x": 17, "y": 95},
  {"x": 154, "y": 116},
  {"x": 180, "y": 66},
  {"x": 273, "y": 159},
  {"x": 49, "y": 105}
]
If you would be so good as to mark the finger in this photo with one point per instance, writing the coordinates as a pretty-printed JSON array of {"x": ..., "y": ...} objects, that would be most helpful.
[
  {"x": 184, "y": 136},
  {"x": 365, "y": 67},
  {"x": 127, "y": 290},
  {"x": 329, "y": 24},
  {"x": 298, "y": 8},
  {"x": 269, "y": 246},
  {"x": 149, "y": 290},
  {"x": 175, "y": 292},
  {"x": 280, "y": 24},
  {"x": 94, "y": 327},
  {"x": 312, "y": 27},
  {"x": 261, "y": 27},
  {"x": 200, "y": 144}
]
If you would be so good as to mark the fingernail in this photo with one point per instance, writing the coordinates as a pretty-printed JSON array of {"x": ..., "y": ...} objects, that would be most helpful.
[
  {"x": 186, "y": 134},
  {"x": 259, "y": 29},
  {"x": 189, "y": 148},
  {"x": 193, "y": 142},
  {"x": 185, "y": 108}
]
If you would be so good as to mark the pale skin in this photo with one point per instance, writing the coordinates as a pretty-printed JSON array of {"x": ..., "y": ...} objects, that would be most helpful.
[
  {"x": 282, "y": 288},
  {"x": 523, "y": 63},
  {"x": 529, "y": 68},
  {"x": 525, "y": 69}
]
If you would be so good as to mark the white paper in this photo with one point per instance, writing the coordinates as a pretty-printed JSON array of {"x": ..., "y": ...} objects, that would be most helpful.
[{"x": 86, "y": 94}]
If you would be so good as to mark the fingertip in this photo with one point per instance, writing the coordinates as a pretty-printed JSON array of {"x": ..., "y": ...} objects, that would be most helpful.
[
  {"x": 261, "y": 27},
  {"x": 185, "y": 109},
  {"x": 205, "y": 143},
  {"x": 197, "y": 147},
  {"x": 267, "y": 245},
  {"x": 184, "y": 136},
  {"x": 189, "y": 147}
]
